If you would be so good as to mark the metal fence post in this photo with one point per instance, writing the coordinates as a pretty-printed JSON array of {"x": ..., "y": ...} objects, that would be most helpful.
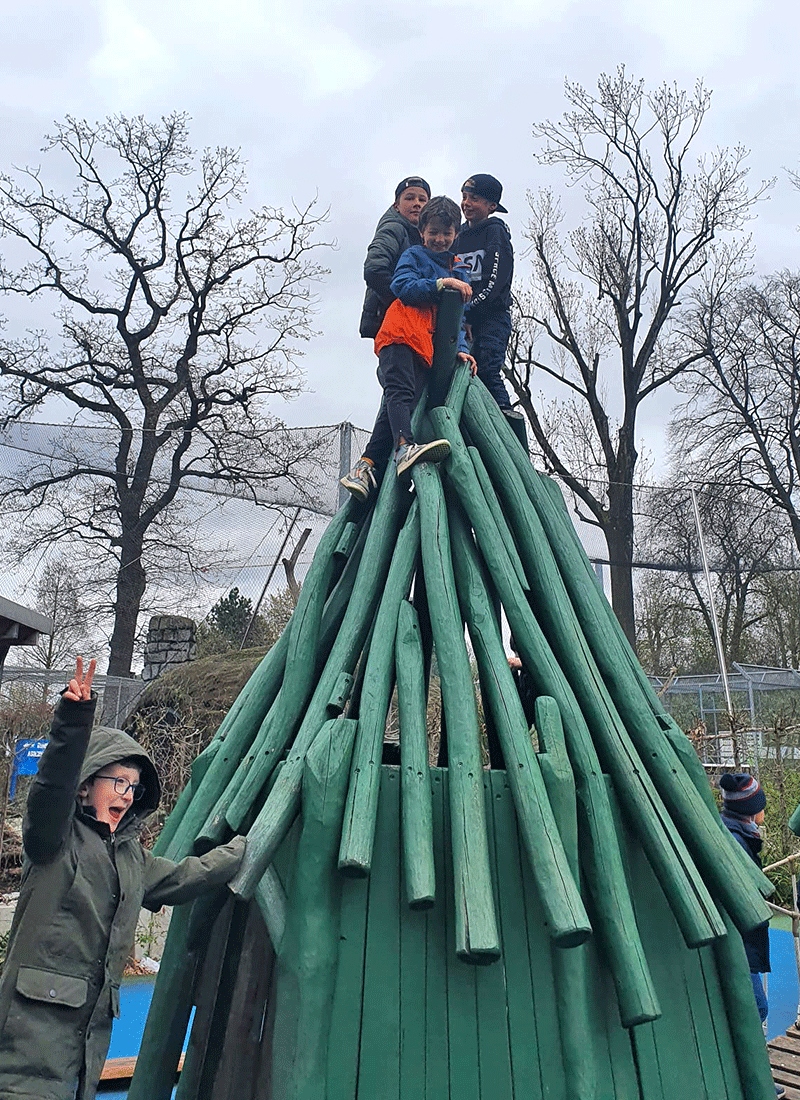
[{"x": 345, "y": 457}]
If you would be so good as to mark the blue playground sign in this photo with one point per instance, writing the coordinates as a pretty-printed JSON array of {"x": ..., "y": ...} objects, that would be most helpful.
[{"x": 26, "y": 759}]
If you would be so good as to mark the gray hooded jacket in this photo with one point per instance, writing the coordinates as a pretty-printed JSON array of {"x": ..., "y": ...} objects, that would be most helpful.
[{"x": 81, "y": 891}]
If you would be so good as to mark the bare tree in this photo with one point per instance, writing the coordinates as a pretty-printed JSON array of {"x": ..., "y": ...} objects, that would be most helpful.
[
  {"x": 174, "y": 324},
  {"x": 743, "y": 544},
  {"x": 741, "y": 418},
  {"x": 59, "y": 596},
  {"x": 603, "y": 295}
]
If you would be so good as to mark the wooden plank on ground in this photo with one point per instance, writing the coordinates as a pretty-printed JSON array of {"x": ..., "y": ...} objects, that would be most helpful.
[
  {"x": 437, "y": 1043},
  {"x": 379, "y": 1066},
  {"x": 121, "y": 1069}
]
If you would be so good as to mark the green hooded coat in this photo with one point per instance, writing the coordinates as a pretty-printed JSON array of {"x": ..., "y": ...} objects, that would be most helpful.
[{"x": 81, "y": 891}]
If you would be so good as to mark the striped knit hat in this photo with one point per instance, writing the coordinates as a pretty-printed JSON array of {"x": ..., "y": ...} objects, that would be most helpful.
[{"x": 742, "y": 794}]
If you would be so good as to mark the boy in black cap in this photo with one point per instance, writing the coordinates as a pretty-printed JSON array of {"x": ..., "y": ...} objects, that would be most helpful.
[{"x": 484, "y": 245}]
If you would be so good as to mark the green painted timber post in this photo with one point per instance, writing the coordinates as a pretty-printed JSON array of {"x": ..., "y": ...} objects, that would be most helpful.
[
  {"x": 720, "y": 865},
  {"x": 415, "y": 781},
  {"x": 686, "y": 892},
  {"x": 560, "y": 897},
  {"x": 309, "y": 950},
  {"x": 280, "y": 807},
  {"x": 284, "y": 717},
  {"x": 449, "y": 313},
  {"x": 358, "y": 830},
  {"x": 475, "y": 920},
  {"x": 601, "y": 848},
  {"x": 570, "y": 967}
]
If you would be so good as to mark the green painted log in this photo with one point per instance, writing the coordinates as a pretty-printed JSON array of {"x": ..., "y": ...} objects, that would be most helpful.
[
  {"x": 358, "y": 831},
  {"x": 281, "y": 723},
  {"x": 415, "y": 780},
  {"x": 493, "y": 503},
  {"x": 271, "y": 900},
  {"x": 747, "y": 1035},
  {"x": 572, "y": 983},
  {"x": 719, "y": 864},
  {"x": 550, "y": 680},
  {"x": 168, "y": 1017},
  {"x": 281, "y": 804},
  {"x": 174, "y": 819},
  {"x": 206, "y": 1002},
  {"x": 686, "y": 891},
  {"x": 449, "y": 312},
  {"x": 456, "y": 394},
  {"x": 475, "y": 920},
  {"x": 568, "y": 923},
  {"x": 309, "y": 950}
]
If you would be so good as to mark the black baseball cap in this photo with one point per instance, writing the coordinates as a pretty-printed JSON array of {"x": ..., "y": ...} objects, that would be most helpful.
[
  {"x": 411, "y": 181},
  {"x": 487, "y": 187}
]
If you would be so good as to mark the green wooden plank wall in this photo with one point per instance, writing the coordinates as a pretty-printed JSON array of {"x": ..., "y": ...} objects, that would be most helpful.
[{"x": 413, "y": 1022}]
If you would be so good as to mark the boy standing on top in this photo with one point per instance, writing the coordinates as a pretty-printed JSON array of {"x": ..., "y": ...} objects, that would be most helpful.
[
  {"x": 484, "y": 245},
  {"x": 404, "y": 346}
]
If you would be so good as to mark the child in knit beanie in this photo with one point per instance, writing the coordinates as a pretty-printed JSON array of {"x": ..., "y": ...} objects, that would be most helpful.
[{"x": 743, "y": 804}]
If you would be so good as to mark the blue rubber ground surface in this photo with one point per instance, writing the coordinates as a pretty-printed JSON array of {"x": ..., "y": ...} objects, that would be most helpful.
[{"x": 782, "y": 983}]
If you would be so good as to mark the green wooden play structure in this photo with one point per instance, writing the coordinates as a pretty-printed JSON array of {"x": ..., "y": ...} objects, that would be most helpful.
[{"x": 560, "y": 924}]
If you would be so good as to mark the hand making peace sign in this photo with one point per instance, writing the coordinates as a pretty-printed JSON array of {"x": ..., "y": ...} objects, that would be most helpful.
[{"x": 79, "y": 688}]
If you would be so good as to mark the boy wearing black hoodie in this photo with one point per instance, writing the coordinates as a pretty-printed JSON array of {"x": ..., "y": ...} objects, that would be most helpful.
[{"x": 484, "y": 246}]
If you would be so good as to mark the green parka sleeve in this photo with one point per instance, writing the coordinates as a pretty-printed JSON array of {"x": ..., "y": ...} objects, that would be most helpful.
[
  {"x": 51, "y": 801},
  {"x": 168, "y": 883}
]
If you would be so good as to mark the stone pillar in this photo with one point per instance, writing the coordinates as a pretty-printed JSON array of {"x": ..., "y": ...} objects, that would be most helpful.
[{"x": 170, "y": 641}]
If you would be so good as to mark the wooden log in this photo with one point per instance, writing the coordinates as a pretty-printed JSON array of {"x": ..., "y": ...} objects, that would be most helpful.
[
  {"x": 309, "y": 951},
  {"x": 358, "y": 830},
  {"x": 210, "y": 975},
  {"x": 496, "y": 510},
  {"x": 449, "y": 312},
  {"x": 281, "y": 805},
  {"x": 415, "y": 780},
  {"x": 570, "y": 968},
  {"x": 168, "y": 1016},
  {"x": 627, "y": 956},
  {"x": 747, "y": 1035},
  {"x": 456, "y": 394},
  {"x": 271, "y": 899},
  {"x": 698, "y": 831},
  {"x": 568, "y": 923},
  {"x": 686, "y": 891},
  {"x": 476, "y": 924},
  {"x": 281, "y": 723}
]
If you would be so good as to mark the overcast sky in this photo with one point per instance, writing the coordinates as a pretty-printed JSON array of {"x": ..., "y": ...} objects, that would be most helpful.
[{"x": 341, "y": 99}]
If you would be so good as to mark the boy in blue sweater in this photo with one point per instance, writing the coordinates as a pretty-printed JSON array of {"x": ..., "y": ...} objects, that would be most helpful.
[{"x": 404, "y": 346}]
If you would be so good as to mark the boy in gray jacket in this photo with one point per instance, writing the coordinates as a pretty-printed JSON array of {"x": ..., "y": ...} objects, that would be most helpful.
[{"x": 85, "y": 878}]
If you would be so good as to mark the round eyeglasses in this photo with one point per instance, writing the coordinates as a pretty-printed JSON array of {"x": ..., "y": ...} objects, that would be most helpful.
[{"x": 122, "y": 786}]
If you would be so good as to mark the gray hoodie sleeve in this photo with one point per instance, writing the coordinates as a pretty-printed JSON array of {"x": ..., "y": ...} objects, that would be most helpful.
[{"x": 51, "y": 801}]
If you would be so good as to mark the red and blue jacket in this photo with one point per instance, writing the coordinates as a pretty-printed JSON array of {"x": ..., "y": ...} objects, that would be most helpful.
[{"x": 411, "y": 319}]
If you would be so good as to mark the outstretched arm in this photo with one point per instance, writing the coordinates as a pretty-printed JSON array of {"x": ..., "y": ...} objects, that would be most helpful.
[
  {"x": 51, "y": 801},
  {"x": 168, "y": 883}
]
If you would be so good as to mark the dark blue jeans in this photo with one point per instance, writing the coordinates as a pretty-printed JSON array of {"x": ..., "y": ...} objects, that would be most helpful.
[
  {"x": 489, "y": 342},
  {"x": 761, "y": 997},
  {"x": 403, "y": 375}
]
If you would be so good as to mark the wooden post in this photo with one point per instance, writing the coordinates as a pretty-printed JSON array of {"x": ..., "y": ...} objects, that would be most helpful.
[
  {"x": 570, "y": 967},
  {"x": 358, "y": 831},
  {"x": 309, "y": 951},
  {"x": 558, "y": 890},
  {"x": 632, "y": 746},
  {"x": 281, "y": 804},
  {"x": 415, "y": 788},
  {"x": 476, "y": 924}
]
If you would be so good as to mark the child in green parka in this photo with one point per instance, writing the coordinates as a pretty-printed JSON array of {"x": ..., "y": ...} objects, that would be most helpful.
[{"x": 85, "y": 878}]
